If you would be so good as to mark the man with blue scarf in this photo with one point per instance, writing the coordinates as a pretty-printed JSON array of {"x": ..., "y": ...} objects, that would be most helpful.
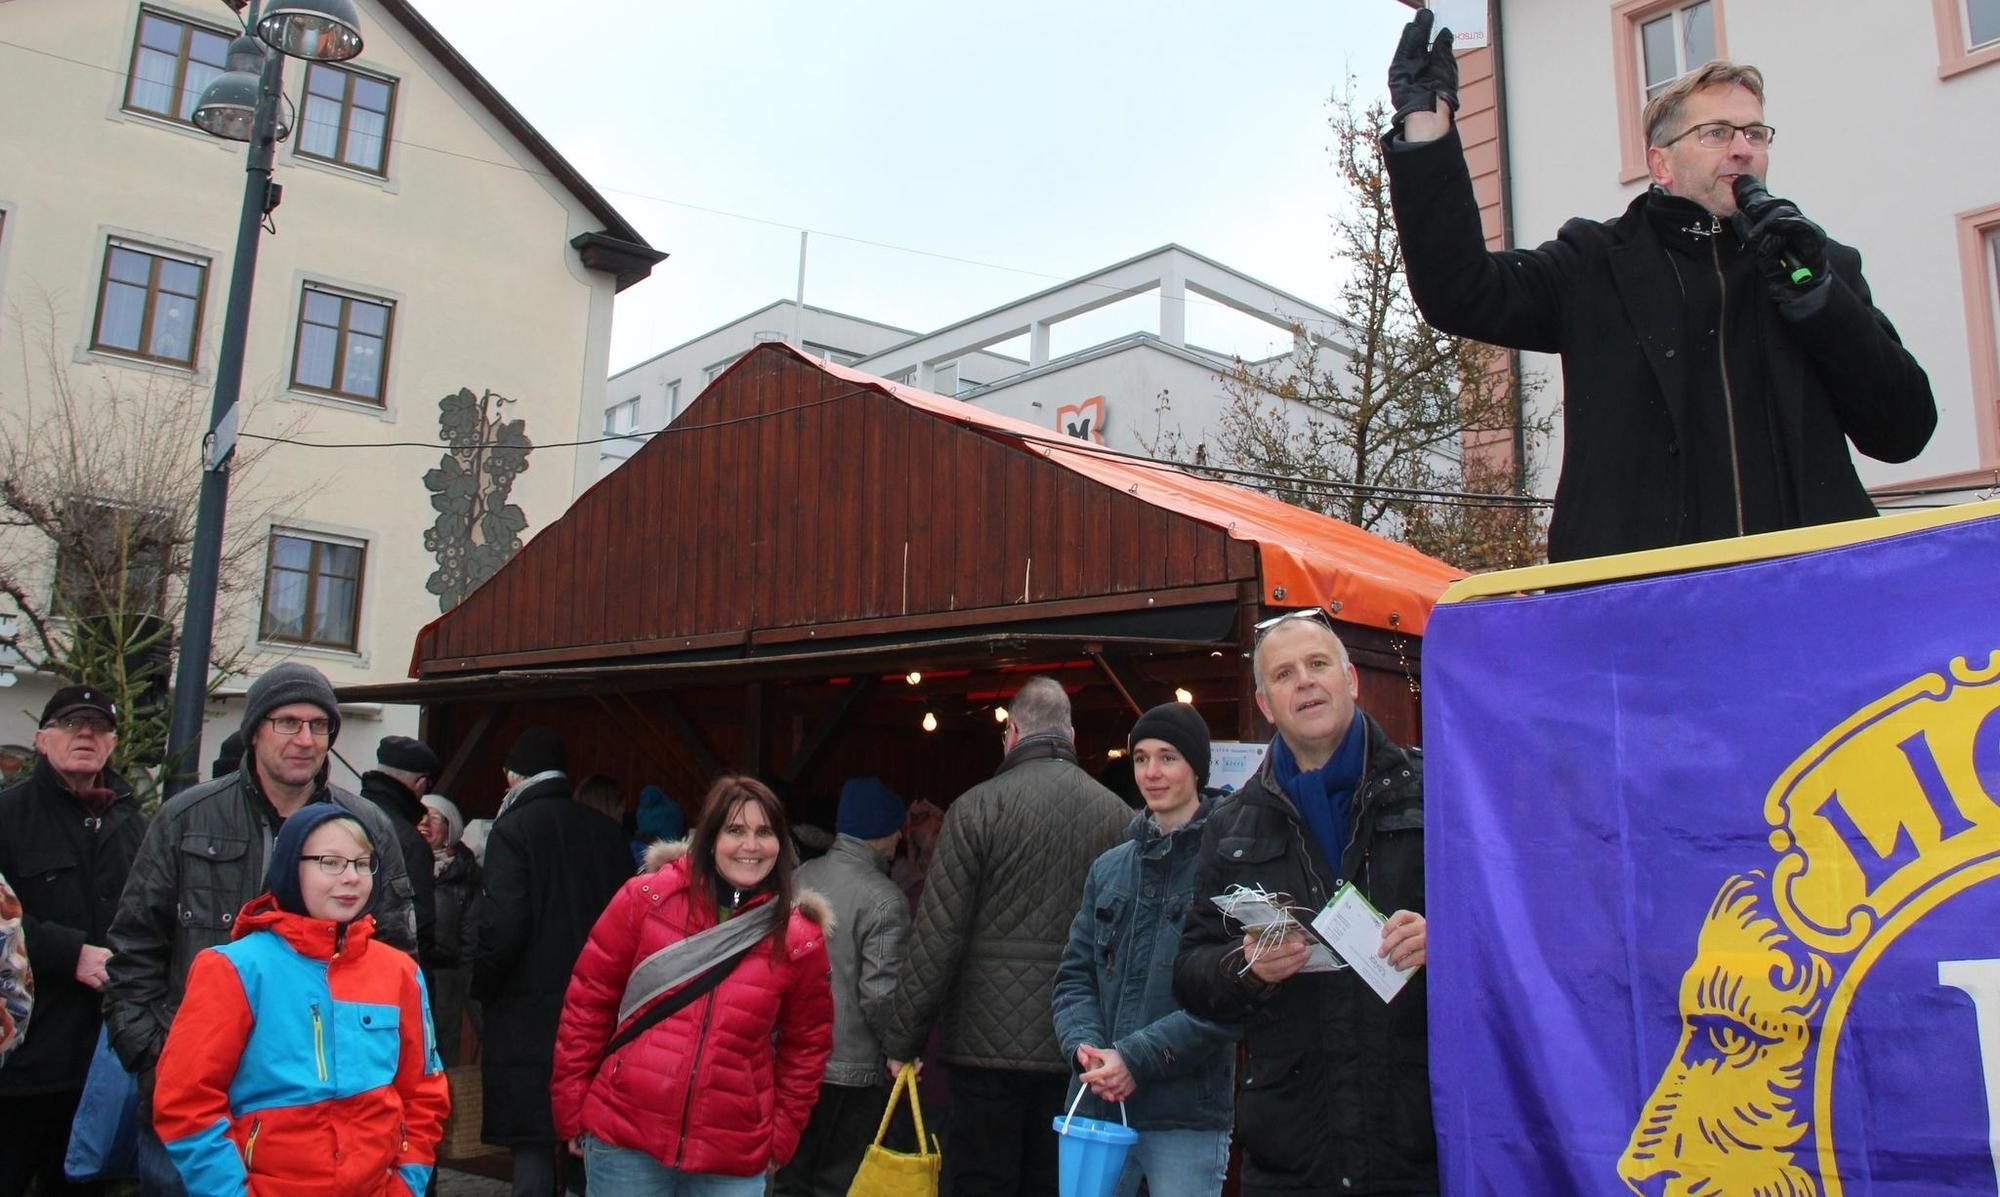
[{"x": 1334, "y": 1095}]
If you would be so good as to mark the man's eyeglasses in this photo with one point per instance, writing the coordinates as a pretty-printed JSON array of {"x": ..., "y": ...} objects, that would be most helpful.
[
  {"x": 289, "y": 725},
  {"x": 95, "y": 724},
  {"x": 1718, "y": 135},
  {"x": 334, "y": 866}
]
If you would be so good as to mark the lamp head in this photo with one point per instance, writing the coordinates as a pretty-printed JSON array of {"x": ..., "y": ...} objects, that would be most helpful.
[{"x": 316, "y": 30}]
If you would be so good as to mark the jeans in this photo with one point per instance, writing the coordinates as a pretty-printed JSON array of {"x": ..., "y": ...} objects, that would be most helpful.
[
  {"x": 629, "y": 1173},
  {"x": 1176, "y": 1163},
  {"x": 157, "y": 1175},
  {"x": 1001, "y": 1141}
]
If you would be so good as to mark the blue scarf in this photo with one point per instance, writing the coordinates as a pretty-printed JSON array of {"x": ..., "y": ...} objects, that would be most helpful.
[{"x": 1323, "y": 795}]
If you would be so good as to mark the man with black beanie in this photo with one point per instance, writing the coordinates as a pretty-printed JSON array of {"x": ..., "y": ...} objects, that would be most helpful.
[
  {"x": 397, "y": 784},
  {"x": 551, "y": 867},
  {"x": 205, "y": 855}
]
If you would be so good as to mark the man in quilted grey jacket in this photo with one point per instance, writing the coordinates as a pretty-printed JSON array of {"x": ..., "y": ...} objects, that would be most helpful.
[{"x": 1001, "y": 890}]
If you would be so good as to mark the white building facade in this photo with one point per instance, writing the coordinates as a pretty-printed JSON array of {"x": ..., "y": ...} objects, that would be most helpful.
[
  {"x": 1145, "y": 390},
  {"x": 429, "y": 240}
]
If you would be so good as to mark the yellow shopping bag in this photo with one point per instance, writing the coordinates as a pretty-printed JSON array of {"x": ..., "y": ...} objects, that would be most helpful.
[{"x": 886, "y": 1173}]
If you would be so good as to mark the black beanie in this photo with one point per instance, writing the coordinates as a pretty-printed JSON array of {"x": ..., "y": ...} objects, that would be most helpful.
[
  {"x": 537, "y": 750},
  {"x": 409, "y": 755},
  {"x": 282, "y": 878},
  {"x": 283, "y": 685},
  {"x": 1180, "y": 725}
]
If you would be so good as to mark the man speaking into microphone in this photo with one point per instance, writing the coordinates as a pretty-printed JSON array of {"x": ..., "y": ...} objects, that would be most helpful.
[{"x": 1717, "y": 356}]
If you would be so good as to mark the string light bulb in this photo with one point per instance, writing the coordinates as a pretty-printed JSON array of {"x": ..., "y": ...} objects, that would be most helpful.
[
  {"x": 930, "y": 721},
  {"x": 999, "y": 714},
  {"x": 1183, "y": 696},
  {"x": 913, "y": 677}
]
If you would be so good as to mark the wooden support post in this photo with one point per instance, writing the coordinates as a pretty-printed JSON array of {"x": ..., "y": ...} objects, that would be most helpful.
[
  {"x": 689, "y": 737},
  {"x": 829, "y": 726},
  {"x": 1097, "y": 655},
  {"x": 447, "y": 781}
]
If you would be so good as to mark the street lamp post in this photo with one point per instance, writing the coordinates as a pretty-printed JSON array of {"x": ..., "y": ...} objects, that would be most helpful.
[{"x": 241, "y": 104}]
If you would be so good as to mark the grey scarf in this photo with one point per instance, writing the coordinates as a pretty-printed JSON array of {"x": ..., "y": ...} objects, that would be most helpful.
[{"x": 684, "y": 960}]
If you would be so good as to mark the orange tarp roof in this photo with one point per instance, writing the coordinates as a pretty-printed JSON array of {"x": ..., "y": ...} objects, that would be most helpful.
[{"x": 1310, "y": 558}]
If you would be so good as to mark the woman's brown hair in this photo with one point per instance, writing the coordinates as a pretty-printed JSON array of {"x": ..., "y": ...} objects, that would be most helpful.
[{"x": 729, "y": 792}]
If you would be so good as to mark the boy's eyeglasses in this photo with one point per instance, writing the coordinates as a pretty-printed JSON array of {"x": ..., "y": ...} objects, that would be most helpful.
[{"x": 334, "y": 866}]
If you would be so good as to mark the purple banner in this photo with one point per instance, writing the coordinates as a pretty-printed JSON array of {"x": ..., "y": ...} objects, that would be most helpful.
[{"x": 1714, "y": 878}]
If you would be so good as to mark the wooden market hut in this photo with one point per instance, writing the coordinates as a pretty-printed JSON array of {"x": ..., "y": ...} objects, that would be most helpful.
[{"x": 811, "y": 560}]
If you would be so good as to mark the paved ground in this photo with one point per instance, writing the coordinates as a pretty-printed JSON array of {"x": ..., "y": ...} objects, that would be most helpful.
[{"x": 452, "y": 1183}]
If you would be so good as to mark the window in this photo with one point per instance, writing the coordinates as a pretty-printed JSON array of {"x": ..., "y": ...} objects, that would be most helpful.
[
  {"x": 149, "y": 303},
  {"x": 621, "y": 419},
  {"x": 312, "y": 589},
  {"x": 673, "y": 399},
  {"x": 839, "y": 357},
  {"x": 1982, "y": 23},
  {"x": 1655, "y": 42},
  {"x": 1968, "y": 34},
  {"x": 1676, "y": 42},
  {"x": 111, "y": 560},
  {"x": 343, "y": 344},
  {"x": 346, "y": 118},
  {"x": 715, "y": 371},
  {"x": 172, "y": 60}
]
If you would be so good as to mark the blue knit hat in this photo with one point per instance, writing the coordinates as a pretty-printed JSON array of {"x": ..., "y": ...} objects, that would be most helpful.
[
  {"x": 869, "y": 810},
  {"x": 282, "y": 878},
  {"x": 658, "y": 818}
]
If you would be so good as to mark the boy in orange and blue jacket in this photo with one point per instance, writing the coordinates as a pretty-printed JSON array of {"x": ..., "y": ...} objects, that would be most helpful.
[{"x": 302, "y": 1060}]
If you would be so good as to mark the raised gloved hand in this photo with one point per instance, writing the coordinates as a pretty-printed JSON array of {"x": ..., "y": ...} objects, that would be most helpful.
[
  {"x": 1790, "y": 249},
  {"x": 1423, "y": 71}
]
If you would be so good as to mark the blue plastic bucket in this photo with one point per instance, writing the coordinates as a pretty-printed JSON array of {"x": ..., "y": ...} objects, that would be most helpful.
[{"x": 1093, "y": 1154}]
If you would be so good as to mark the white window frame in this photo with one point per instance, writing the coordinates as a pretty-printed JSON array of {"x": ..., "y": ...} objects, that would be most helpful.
[
  {"x": 1678, "y": 15},
  {"x": 1965, "y": 15}
]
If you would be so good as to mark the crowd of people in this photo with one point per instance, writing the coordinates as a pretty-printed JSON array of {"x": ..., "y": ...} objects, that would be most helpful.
[{"x": 288, "y": 968}]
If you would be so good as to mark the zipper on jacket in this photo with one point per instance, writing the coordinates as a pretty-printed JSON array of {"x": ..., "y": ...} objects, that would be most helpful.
[
  {"x": 694, "y": 1075},
  {"x": 250, "y": 1148},
  {"x": 319, "y": 1042},
  {"x": 1722, "y": 364}
]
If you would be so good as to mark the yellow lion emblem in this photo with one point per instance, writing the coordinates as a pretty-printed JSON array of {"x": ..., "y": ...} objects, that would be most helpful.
[{"x": 1725, "y": 1119}]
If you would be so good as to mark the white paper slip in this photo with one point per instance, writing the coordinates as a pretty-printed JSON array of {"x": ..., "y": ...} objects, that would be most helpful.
[
  {"x": 1255, "y": 911},
  {"x": 1465, "y": 18},
  {"x": 1354, "y": 928}
]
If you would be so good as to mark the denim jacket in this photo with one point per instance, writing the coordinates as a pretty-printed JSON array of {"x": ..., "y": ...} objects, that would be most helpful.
[{"x": 1115, "y": 986}]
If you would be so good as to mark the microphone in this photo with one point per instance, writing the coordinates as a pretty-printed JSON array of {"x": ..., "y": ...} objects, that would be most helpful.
[{"x": 1755, "y": 205}]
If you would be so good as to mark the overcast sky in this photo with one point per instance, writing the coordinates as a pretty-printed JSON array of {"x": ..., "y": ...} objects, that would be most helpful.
[{"x": 1040, "y": 140}]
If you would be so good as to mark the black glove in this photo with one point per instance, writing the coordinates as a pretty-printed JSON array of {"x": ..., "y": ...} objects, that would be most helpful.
[
  {"x": 1790, "y": 249},
  {"x": 1423, "y": 71}
]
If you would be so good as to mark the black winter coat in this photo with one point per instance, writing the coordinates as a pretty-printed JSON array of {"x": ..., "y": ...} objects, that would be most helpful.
[
  {"x": 1334, "y": 1095},
  {"x": 68, "y": 870},
  {"x": 1605, "y": 297},
  {"x": 204, "y": 856},
  {"x": 457, "y": 900},
  {"x": 552, "y": 865},
  {"x": 404, "y": 812}
]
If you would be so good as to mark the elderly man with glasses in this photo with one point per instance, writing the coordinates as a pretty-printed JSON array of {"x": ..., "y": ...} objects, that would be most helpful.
[
  {"x": 205, "y": 855},
  {"x": 1334, "y": 1092},
  {"x": 1719, "y": 351},
  {"x": 68, "y": 833}
]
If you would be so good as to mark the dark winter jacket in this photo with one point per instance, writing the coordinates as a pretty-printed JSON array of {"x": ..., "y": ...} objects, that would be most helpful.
[
  {"x": 551, "y": 866},
  {"x": 722, "y": 1086},
  {"x": 1606, "y": 297},
  {"x": 68, "y": 870},
  {"x": 203, "y": 858},
  {"x": 999, "y": 895},
  {"x": 1335, "y": 1092},
  {"x": 404, "y": 812},
  {"x": 457, "y": 906},
  {"x": 869, "y": 934},
  {"x": 1115, "y": 987}
]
